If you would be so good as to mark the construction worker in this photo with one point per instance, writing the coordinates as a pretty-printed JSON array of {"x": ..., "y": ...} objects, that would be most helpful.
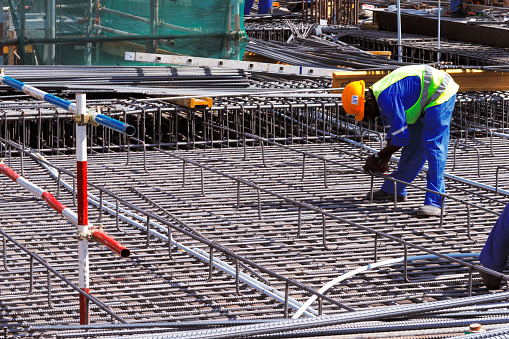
[
  {"x": 496, "y": 250},
  {"x": 415, "y": 104},
  {"x": 264, "y": 6}
]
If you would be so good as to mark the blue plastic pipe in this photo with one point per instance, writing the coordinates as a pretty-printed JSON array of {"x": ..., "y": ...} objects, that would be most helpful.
[
  {"x": 114, "y": 124},
  {"x": 37, "y": 93},
  {"x": 98, "y": 118}
]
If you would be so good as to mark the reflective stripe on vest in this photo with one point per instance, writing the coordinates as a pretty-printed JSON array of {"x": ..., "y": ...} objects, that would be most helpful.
[
  {"x": 402, "y": 129},
  {"x": 433, "y": 84}
]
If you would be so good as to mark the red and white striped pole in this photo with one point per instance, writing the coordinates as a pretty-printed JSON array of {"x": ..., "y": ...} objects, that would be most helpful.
[
  {"x": 83, "y": 228},
  {"x": 40, "y": 193},
  {"x": 96, "y": 232}
]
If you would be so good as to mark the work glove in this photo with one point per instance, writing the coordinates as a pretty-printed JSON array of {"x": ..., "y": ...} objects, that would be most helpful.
[
  {"x": 372, "y": 165},
  {"x": 383, "y": 165}
]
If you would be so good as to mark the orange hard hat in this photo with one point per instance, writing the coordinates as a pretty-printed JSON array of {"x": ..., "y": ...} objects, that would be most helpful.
[{"x": 353, "y": 99}]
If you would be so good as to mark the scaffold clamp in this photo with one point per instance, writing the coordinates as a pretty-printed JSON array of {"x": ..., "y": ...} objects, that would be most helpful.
[
  {"x": 85, "y": 233},
  {"x": 82, "y": 119},
  {"x": 88, "y": 116}
]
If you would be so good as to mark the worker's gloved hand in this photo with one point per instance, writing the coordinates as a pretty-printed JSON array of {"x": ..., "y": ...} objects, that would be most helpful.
[
  {"x": 383, "y": 165},
  {"x": 371, "y": 164}
]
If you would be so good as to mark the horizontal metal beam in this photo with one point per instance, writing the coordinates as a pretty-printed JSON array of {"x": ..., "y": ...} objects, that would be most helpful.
[
  {"x": 84, "y": 40},
  {"x": 458, "y": 30},
  {"x": 469, "y": 80},
  {"x": 245, "y": 65}
]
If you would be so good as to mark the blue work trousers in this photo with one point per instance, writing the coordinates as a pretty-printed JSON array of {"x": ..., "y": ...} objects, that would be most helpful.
[
  {"x": 429, "y": 140},
  {"x": 264, "y": 6},
  {"x": 496, "y": 249},
  {"x": 455, "y": 5}
]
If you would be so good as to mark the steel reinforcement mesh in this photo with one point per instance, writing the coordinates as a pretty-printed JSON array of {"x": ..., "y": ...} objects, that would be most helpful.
[
  {"x": 296, "y": 209},
  {"x": 151, "y": 286}
]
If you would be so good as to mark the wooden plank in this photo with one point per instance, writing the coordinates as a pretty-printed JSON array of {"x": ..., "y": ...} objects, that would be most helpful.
[
  {"x": 249, "y": 56},
  {"x": 383, "y": 53},
  {"x": 192, "y": 102},
  {"x": 469, "y": 80}
]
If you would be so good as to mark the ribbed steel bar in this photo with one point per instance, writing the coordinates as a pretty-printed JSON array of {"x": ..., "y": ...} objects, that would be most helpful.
[
  {"x": 323, "y": 54},
  {"x": 327, "y": 320}
]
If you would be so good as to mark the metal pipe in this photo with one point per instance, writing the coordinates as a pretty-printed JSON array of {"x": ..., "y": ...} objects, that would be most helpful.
[
  {"x": 88, "y": 48},
  {"x": 22, "y": 28},
  {"x": 37, "y": 93},
  {"x": 50, "y": 32},
  {"x": 154, "y": 18},
  {"x": 114, "y": 124},
  {"x": 39, "y": 193},
  {"x": 438, "y": 38},
  {"x": 101, "y": 237},
  {"x": 84, "y": 40},
  {"x": 400, "y": 48}
]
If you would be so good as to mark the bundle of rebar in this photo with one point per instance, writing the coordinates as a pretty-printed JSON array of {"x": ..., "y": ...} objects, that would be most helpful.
[
  {"x": 422, "y": 49},
  {"x": 121, "y": 79},
  {"x": 320, "y": 53},
  {"x": 415, "y": 48}
]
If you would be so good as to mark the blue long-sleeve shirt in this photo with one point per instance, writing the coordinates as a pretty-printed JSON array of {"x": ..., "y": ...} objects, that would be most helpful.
[{"x": 393, "y": 102}]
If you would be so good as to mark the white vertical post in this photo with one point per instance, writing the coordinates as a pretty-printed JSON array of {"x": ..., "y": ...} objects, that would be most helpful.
[
  {"x": 236, "y": 52},
  {"x": 2, "y": 32},
  {"x": 438, "y": 45},
  {"x": 400, "y": 48},
  {"x": 49, "y": 50},
  {"x": 83, "y": 231}
]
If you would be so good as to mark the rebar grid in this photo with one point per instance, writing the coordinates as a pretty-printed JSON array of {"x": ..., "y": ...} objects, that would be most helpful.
[
  {"x": 284, "y": 119},
  {"x": 423, "y": 49},
  {"x": 235, "y": 138},
  {"x": 217, "y": 208},
  {"x": 335, "y": 12}
]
